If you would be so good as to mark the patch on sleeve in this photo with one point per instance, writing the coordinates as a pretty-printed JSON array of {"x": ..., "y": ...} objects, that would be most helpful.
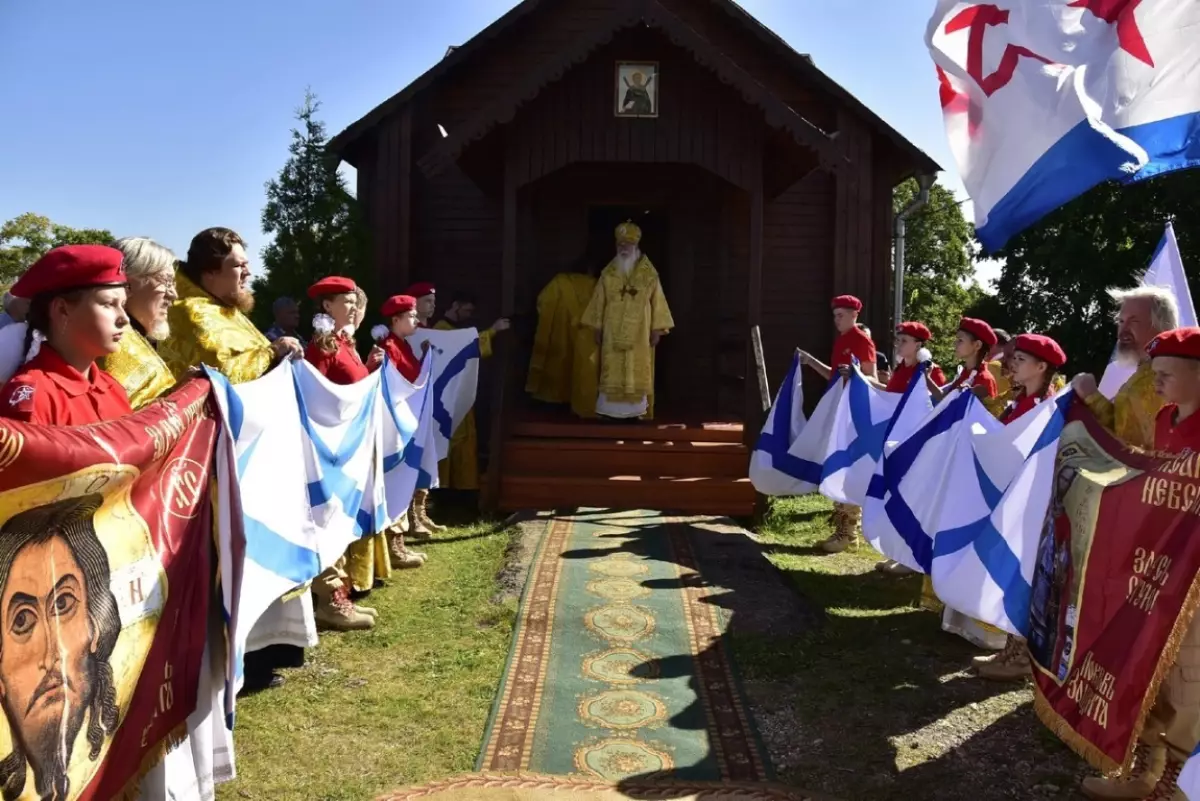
[{"x": 20, "y": 397}]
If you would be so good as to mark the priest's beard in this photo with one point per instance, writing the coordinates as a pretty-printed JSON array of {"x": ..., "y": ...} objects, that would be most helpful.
[
  {"x": 243, "y": 301},
  {"x": 625, "y": 263},
  {"x": 159, "y": 332},
  {"x": 1128, "y": 354}
]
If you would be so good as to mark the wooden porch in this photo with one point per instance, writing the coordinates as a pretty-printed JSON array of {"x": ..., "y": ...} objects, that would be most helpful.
[{"x": 551, "y": 460}]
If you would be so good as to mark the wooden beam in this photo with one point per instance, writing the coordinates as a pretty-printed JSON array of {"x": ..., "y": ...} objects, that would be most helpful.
[
  {"x": 505, "y": 384},
  {"x": 753, "y": 402},
  {"x": 404, "y": 224}
]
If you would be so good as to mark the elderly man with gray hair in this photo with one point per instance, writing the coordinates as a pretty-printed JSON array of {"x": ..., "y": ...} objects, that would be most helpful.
[
  {"x": 1143, "y": 313},
  {"x": 150, "y": 268}
]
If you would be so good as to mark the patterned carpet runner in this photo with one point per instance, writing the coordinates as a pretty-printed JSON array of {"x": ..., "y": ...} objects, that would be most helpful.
[{"x": 618, "y": 671}]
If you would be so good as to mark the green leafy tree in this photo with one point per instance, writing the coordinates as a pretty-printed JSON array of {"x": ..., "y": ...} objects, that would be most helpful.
[
  {"x": 1056, "y": 273},
  {"x": 315, "y": 221},
  {"x": 939, "y": 281},
  {"x": 24, "y": 239}
]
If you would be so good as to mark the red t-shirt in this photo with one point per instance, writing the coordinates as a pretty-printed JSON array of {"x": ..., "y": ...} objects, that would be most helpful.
[
  {"x": 1170, "y": 437},
  {"x": 976, "y": 378},
  {"x": 342, "y": 366},
  {"x": 401, "y": 354},
  {"x": 48, "y": 391},
  {"x": 904, "y": 373},
  {"x": 853, "y": 344}
]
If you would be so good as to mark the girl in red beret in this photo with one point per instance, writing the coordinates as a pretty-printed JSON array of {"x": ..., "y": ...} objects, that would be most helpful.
[
  {"x": 972, "y": 344},
  {"x": 910, "y": 352},
  {"x": 332, "y": 351},
  {"x": 76, "y": 315},
  {"x": 400, "y": 311},
  {"x": 1035, "y": 362}
]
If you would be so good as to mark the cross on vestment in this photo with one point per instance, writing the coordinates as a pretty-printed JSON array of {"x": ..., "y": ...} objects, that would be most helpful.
[{"x": 628, "y": 291}]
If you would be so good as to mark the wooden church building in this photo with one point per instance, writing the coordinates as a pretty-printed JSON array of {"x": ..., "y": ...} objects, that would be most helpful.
[{"x": 762, "y": 188}]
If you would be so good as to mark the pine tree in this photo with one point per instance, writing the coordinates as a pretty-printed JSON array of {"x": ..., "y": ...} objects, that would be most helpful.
[{"x": 316, "y": 222}]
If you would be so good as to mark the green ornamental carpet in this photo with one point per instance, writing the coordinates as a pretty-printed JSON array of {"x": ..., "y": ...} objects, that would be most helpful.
[{"x": 618, "y": 684}]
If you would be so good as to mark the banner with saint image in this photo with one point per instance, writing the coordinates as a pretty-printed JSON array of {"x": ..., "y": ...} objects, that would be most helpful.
[
  {"x": 105, "y": 578},
  {"x": 1115, "y": 587}
]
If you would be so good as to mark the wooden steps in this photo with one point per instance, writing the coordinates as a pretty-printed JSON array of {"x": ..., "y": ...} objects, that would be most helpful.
[{"x": 693, "y": 469}]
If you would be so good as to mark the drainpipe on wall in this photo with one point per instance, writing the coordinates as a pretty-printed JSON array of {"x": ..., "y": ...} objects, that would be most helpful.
[{"x": 924, "y": 182}]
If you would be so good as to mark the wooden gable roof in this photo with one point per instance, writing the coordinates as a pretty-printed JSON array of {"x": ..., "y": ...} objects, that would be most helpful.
[{"x": 628, "y": 13}]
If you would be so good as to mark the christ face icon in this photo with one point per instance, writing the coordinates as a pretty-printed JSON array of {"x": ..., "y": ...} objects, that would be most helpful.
[{"x": 59, "y": 626}]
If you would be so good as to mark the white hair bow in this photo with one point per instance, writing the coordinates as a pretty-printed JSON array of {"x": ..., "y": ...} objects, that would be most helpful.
[
  {"x": 322, "y": 324},
  {"x": 379, "y": 333}
]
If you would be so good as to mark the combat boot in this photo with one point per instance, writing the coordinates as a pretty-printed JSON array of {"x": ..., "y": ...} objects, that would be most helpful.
[
  {"x": 845, "y": 530},
  {"x": 399, "y": 555},
  {"x": 339, "y": 614},
  {"x": 1167, "y": 788},
  {"x": 421, "y": 505},
  {"x": 1011, "y": 664},
  {"x": 1149, "y": 761}
]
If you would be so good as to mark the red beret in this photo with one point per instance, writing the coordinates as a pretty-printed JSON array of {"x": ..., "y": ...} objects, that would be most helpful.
[
  {"x": 420, "y": 290},
  {"x": 71, "y": 267},
  {"x": 846, "y": 302},
  {"x": 978, "y": 329},
  {"x": 1041, "y": 347},
  {"x": 398, "y": 304},
  {"x": 1181, "y": 342},
  {"x": 916, "y": 330},
  {"x": 333, "y": 285}
]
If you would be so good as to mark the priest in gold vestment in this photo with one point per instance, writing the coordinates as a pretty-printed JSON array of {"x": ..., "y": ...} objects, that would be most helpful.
[
  {"x": 564, "y": 365},
  {"x": 628, "y": 314},
  {"x": 136, "y": 364}
]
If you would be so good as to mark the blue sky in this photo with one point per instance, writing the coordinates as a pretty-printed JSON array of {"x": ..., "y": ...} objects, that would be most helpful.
[{"x": 160, "y": 119}]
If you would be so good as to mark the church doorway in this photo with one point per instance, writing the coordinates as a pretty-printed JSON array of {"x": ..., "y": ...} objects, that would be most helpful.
[{"x": 604, "y": 219}]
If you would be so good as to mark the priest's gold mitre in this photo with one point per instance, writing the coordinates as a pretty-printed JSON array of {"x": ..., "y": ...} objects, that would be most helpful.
[{"x": 628, "y": 233}]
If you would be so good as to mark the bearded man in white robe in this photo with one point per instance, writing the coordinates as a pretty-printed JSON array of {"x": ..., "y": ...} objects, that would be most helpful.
[{"x": 629, "y": 314}]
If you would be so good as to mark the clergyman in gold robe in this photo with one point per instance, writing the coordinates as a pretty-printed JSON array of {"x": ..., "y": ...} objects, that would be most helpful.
[
  {"x": 564, "y": 365},
  {"x": 629, "y": 315},
  {"x": 136, "y": 365}
]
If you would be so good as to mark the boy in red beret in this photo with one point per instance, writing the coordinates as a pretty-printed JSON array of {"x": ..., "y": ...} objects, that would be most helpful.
[
  {"x": 426, "y": 296},
  {"x": 76, "y": 316},
  {"x": 851, "y": 343}
]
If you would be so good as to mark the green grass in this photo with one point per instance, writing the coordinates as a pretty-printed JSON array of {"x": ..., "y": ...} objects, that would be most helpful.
[
  {"x": 403, "y": 703},
  {"x": 874, "y": 701}
]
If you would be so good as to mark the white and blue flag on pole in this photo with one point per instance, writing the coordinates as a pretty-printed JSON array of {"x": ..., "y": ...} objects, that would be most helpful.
[
  {"x": 455, "y": 378},
  {"x": 1166, "y": 270},
  {"x": 788, "y": 455},
  {"x": 1044, "y": 100},
  {"x": 992, "y": 513},
  {"x": 1189, "y": 777}
]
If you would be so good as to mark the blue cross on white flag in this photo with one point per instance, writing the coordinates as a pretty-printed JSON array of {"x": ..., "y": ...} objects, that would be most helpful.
[
  {"x": 455, "y": 378},
  {"x": 341, "y": 429},
  {"x": 409, "y": 446},
  {"x": 788, "y": 455},
  {"x": 993, "y": 511}
]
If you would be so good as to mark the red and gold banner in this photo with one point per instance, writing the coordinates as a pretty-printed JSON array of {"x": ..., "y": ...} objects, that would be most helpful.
[
  {"x": 105, "y": 577},
  {"x": 1114, "y": 588}
]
